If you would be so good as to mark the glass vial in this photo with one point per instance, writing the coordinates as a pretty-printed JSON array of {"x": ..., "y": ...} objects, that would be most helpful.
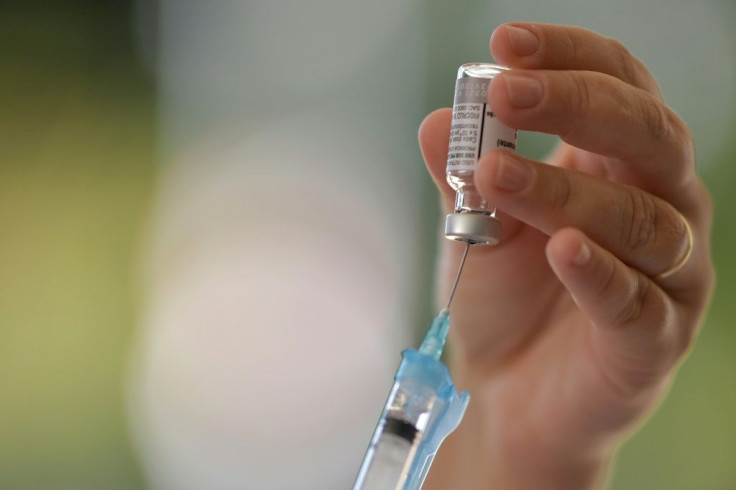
[{"x": 475, "y": 130}]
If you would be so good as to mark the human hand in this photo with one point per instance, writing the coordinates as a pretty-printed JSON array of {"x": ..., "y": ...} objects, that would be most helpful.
[{"x": 568, "y": 332}]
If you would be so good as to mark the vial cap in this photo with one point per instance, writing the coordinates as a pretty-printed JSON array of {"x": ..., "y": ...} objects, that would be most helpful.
[{"x": 474, "y": 228}]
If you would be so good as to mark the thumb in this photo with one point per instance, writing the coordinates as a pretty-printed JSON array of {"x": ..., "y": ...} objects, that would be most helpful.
[{"x": 434, "y": 140}]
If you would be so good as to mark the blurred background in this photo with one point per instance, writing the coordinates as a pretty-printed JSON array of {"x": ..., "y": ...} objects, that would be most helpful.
[{"x": 217, "y": 232}]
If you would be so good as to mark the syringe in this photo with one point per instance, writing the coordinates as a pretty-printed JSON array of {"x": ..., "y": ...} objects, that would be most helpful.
[
  {"x": 423, "y": 406},
  {"x": 422, "y": 409}
]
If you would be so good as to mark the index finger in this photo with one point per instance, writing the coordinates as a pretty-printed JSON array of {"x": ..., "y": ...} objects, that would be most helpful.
[{"x": 554, "y": 47}]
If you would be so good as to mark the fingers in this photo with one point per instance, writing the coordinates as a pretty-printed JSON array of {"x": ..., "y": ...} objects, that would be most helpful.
[
  {"x": 638, "y": 228},
  {"x": 553, "y": 47},
  {"x": 636, "y": 338},
  {"x": 434, "y": 138},
  {"x": 601, "y": 114}
]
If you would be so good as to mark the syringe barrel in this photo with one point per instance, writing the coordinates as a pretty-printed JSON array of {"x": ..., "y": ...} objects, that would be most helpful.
[
  {"x": 422, "y": 409},
  {"x": 395, "y": 441}
]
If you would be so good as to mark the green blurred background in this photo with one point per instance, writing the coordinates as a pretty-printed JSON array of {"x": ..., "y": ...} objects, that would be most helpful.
[{"x": 77, "y": 173}]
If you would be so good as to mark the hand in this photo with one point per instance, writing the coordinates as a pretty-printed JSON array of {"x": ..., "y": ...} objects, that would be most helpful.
[{"x": 567, "y": 333}]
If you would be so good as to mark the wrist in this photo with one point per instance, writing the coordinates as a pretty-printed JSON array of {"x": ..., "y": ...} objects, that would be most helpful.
[
  {"x": 469, "y": 460},
  {"x": 500, "y": 445}
]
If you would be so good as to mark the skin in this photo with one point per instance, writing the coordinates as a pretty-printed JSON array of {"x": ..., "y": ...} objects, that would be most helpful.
[{"x": 563, "y": 333}]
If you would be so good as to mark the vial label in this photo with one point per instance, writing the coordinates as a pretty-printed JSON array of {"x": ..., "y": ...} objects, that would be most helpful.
[{"x": 475, "y": 129}]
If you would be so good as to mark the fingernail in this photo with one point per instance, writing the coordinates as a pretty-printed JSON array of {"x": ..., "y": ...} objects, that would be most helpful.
[
  {"x": 523, "y": 41},
  {"x": 511, "y": 174},
  {"x": 524, "y": 91},
  {"x": 583, "y": 256}
]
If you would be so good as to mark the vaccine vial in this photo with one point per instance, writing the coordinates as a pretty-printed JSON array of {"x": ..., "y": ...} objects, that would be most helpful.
[{"x": 475, "y": 130}]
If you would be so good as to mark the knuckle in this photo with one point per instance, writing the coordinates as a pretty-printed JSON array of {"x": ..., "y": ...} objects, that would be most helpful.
[
  {"x": 632, "y": 306},
  {"x": 683, "y": 144},
  {"x": 667, "y": 132},
  {"x": 664, "y": 127},
  {"x": 657, "y": 119},
  {"x": 606, "y": 279},
  {"x": 581, "y": 97},
  {"x": 680, "y": 136},
  {"x": 626, "y": 61},
  {"x": 654, "y": 344},
  {"x": 679, "y": 128},
  {"x": 571, "y": 45},
  {"x": 559, "y": 192},
  {"x": 700, "y": 211},
  {"x": 639, "y": 217}
]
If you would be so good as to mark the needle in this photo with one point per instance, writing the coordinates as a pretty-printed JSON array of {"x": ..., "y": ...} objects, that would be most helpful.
[{"x": 457, "y": 278}]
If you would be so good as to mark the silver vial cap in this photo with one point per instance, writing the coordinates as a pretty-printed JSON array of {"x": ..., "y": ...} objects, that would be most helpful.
[{"x": 474, "y": 228}]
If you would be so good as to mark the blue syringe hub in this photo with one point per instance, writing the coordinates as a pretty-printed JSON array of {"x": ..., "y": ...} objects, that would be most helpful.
[{"x": 436, "y": 337}]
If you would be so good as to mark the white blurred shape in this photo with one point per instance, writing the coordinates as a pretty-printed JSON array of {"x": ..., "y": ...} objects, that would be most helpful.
[
  {"x": 276, "y": 310},
  {"x": 252, "y": 368}
]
